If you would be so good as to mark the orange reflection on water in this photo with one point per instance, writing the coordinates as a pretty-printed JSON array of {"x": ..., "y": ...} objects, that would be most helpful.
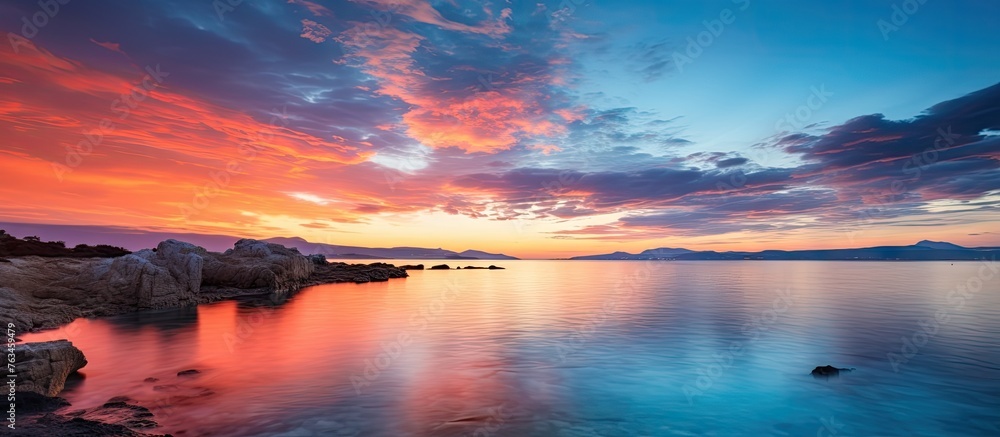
[
  {"x": 410, "y": 346},
  {"x": 547, "y": 342}
]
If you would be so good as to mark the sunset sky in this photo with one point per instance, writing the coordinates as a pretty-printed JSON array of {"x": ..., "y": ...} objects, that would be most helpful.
[{"x": 536, "y": 129}]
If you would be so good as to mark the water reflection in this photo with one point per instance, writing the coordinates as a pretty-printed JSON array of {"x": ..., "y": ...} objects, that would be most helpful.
[
  {"x": 553, "y": 348},
  {"x": 165, "y": 320}
]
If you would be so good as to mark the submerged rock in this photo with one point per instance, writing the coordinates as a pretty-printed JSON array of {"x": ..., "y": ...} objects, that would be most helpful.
[
  {"x": 31, "y": 403},
  {"x": 119, "y": 417},
  {"x": 169, "y": 387},
  {"x": 828, "y": 371},
  {"x": 119, "y": 411},
  {"x": 42, "y": 368},
  {"x": 189, "y": 372}
]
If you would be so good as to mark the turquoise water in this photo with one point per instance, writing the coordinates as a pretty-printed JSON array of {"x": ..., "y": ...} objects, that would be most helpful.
[{"x": 574, "y": 348}]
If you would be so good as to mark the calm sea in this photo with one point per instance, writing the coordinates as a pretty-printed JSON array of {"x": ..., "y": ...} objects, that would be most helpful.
[{"x": 574, "y": 348}]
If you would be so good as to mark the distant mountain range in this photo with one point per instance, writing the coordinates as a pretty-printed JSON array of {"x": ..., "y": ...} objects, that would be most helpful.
[
  {"x": 355, "y": 252},
  {"x": 135, "y": 239},
  {"x": 661, "y": 253},
  {"x": 922, "y": 251}
]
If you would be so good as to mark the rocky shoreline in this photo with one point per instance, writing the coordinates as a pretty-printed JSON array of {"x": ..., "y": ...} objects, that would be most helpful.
[{"x": 39, "y": 293}]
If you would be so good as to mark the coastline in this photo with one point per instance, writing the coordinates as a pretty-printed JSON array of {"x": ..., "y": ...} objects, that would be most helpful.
[{"x": 45, "y": 293}]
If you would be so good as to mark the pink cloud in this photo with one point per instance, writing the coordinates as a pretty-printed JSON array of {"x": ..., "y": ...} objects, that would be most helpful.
[
  {"x": 314, "y": 31},
  {"x": 316, "y": 9},
  {"x": 113, "y": 46}
]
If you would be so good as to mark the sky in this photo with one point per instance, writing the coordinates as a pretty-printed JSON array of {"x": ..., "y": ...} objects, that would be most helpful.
[{"x": 536, "y": 129}]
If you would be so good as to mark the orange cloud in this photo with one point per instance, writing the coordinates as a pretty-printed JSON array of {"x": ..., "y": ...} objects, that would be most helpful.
[{"x": 93, "y": 147}]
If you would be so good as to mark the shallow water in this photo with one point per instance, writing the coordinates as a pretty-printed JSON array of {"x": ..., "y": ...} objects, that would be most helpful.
[{"x": 573, "y": 348}]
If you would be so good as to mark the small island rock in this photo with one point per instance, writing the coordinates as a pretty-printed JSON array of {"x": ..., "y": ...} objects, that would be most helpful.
[{"x": 828, "y": 371}]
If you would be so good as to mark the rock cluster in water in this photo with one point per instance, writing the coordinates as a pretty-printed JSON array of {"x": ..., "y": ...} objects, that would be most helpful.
[
  {"x": 447, "y": 267},
  {"x": 40, "y": 293}
]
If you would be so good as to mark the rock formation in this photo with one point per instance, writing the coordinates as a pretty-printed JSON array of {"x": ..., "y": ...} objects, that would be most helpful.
[
  {"x": 38, "y": 293},
  {"x": 256, "y": 265},
  {"x": 167, "y": 277},
  {"x": 41, "y": 293},
  {"x": 42, "y": 368},
  {"x": 119, "y": 417},
  {"x": 319, "y": 260}
]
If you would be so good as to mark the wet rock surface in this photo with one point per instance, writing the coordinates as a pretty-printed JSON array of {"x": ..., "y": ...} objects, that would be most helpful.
[
  {"x": 412, "y": 267},
  {"x": 119, "y": 416},
  {"x": 42, "y": 368}
]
